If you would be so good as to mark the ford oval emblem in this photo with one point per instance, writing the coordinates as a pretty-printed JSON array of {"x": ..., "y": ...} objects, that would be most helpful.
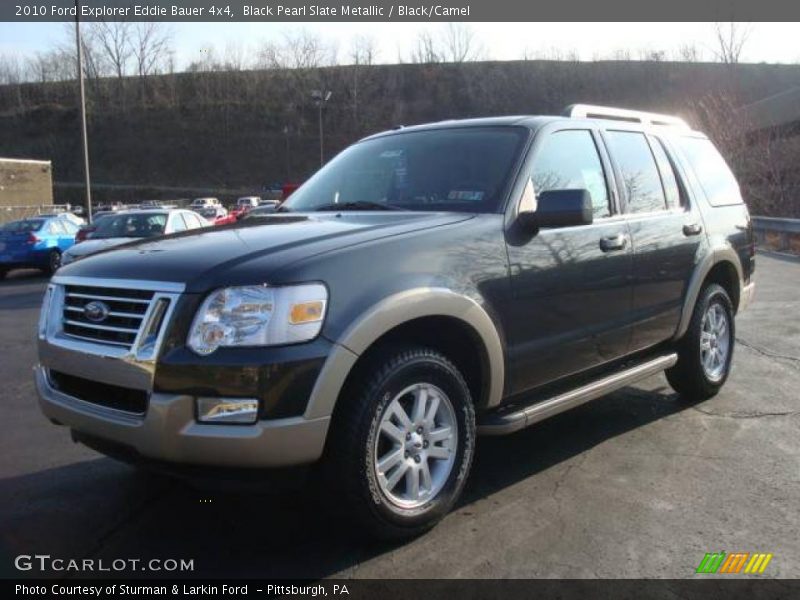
[{"x": 95, "y": 311}]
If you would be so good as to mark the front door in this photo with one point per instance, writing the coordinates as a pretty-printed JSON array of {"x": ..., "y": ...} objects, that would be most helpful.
[{"x": 571, "y": 286}]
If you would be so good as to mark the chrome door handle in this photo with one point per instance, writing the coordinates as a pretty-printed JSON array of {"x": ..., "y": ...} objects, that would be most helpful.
[
  {"x": 616, "y": 242},
  {"x": 692, "y": 229}
]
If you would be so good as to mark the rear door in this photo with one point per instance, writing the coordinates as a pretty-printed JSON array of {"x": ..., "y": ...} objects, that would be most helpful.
[
  {"x": 665, "y": 229},
  {"x": 571, "y": 286}
]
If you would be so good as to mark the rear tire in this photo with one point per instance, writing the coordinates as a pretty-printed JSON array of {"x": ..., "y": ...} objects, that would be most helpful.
[
  {"x": 706, "y": 350},
  {"x": 53, "y": 262},
  {"x": 402, "y": 442}
]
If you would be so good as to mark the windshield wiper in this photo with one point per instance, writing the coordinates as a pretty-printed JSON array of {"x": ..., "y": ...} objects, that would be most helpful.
[{"x": 359, "y": 205}]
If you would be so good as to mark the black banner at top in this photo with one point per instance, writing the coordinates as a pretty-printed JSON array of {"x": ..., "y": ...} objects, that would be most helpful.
[{"x": 408, "y": 10}]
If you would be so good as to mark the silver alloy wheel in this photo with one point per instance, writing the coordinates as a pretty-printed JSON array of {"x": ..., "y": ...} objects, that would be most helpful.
[
  {"x": 715, "y": 342},
  {"x": 415, "y": 446},
  {"x": 55, "y": 260}
]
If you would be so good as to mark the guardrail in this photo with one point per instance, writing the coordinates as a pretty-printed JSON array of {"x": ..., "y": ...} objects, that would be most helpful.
[{"x": 773, "y": 233}]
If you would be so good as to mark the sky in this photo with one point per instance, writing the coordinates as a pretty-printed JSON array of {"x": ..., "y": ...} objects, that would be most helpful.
[{"x": 767, "y": 42}]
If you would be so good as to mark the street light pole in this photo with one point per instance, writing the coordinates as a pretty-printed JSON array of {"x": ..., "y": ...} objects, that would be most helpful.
[{"x": 84, "y": 136}]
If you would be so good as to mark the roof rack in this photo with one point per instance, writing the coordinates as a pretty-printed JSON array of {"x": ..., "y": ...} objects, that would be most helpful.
[{"x": 590, "y": 111}]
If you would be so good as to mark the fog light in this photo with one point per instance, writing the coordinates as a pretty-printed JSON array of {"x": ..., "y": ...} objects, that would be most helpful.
[{"x": 227, "y": 410}]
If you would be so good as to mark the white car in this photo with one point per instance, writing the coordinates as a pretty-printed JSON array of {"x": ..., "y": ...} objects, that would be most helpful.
[
  {"x": 129, "y": 226},
  {"x": 248, "y": 202},
  {"x": 64, "y": 215},
  {"x": 198, "y": 203}
]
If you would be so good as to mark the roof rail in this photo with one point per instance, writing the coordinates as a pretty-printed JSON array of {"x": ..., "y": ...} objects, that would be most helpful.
[{"x": 590, "y": 111}]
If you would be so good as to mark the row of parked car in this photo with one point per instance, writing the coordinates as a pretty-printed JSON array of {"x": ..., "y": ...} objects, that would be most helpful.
[{"x": 49, "y": 240}]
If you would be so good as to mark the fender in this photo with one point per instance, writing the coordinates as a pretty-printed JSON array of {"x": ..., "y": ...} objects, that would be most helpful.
[
  {"x": 715, "y": 255},
  {"x": 388, "y": 314}
]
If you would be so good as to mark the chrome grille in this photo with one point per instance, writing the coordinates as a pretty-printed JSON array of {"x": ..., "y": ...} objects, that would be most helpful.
[{"x": 126, "y": 311}]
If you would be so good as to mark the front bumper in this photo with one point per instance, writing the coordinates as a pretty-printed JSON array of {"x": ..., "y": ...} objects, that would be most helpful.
[{"x": 168, "y": 431}]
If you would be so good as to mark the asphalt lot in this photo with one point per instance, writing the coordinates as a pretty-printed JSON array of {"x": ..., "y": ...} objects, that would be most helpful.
[{"x": 633, "y": 485}]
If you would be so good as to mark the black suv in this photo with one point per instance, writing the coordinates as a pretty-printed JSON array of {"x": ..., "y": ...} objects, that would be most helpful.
[{"x": 429, "y": 284}]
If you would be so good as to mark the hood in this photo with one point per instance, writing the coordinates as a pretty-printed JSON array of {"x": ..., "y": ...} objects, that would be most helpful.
[
  {"x": 91, "y": 246},
  {"x": 249, "y": 251}
]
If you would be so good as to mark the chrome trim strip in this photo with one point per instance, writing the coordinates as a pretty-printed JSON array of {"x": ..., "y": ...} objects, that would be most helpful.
[
  {"x": 112, "y": 313},
  {"x": 94, "y": 341},
  {"x": 156, "y": 286},
  {"x": 509, "y": 423},
  {"x": 100, "y": 327},
  {"x": 109, "y": 298}
]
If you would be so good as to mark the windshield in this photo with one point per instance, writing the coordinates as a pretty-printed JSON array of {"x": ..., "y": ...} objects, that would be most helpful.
[
  {"x": 463, "y": 170},
  {"x": 132, "y": 225},
  {"x": 23, "y": 226}
]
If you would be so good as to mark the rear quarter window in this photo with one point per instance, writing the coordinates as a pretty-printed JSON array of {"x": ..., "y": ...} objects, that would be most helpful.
[{"x": 711, "y": 170}]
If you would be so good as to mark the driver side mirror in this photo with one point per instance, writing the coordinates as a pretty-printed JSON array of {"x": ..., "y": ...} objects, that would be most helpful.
[{"x": 560, "y": 208}]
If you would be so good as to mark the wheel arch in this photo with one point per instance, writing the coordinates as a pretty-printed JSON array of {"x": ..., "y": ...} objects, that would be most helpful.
[
  {"x": 436, "y": 317},
  {"x": 721, "y": 266}
]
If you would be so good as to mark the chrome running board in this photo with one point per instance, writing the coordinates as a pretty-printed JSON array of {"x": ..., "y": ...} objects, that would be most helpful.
[{"x": 503, "y": 424}]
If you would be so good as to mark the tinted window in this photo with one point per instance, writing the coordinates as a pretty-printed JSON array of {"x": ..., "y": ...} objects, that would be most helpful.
[
  {"x": 569, "y": 160},
  {"x": 131, "y": 225},
  {"x": 711, "y": 170},
  {"x": 465, "y": 169},
  {"x": 668, "y": 178},
  {"x": 641, "y": 182}
]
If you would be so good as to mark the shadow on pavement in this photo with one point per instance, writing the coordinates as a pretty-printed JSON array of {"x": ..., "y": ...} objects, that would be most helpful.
[{"x": 102, "y": 509}]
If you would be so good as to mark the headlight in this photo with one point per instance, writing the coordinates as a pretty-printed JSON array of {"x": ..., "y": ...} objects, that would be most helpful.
[{"x": 258, "y": 316}]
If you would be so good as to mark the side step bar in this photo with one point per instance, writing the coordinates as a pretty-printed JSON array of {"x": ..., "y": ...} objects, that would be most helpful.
[{"x": 506, "y": 423}]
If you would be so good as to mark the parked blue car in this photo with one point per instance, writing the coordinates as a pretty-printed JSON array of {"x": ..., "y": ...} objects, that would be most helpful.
[{"x": 35, "y": 243}]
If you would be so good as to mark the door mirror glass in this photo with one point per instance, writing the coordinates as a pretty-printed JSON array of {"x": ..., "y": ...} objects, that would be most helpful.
[{"x": 560, "y": 208}]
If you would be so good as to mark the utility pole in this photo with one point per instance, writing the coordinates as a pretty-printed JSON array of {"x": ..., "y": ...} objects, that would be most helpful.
[
  {"x": 321, "y": 99},
  {"x": 84, "y": 136}
]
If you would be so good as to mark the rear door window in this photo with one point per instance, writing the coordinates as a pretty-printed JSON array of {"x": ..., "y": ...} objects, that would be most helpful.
[
  {"x": 178, "y": 224},
  {"x": 640, "y": 179},
  {"x": 711, "y": 170},
  {"x": 669, "y": 179}
]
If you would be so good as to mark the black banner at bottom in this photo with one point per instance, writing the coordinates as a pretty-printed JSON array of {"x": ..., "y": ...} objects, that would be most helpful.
[{"x": 368, "y": 589}]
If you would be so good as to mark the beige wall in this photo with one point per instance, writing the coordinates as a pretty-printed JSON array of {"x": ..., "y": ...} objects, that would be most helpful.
[{"x": 25, "y": 182}]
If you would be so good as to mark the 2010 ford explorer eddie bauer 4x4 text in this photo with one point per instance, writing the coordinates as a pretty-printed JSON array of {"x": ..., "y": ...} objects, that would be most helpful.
[{"x": 428, "y": 284}]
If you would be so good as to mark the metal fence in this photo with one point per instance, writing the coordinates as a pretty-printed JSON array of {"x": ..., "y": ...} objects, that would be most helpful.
[{"x": 14, "y": 213}]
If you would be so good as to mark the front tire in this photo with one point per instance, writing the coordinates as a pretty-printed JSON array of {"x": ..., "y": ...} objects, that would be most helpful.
[
  {"x": 402, "y": 442},
  {"x": 706, "y": 350}
]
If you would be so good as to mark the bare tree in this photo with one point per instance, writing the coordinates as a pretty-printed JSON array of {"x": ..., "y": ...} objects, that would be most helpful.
[
  {"x": 11, "y": 71},
  {"x": 427, "y": 50},
  {"x": 363, "y": 51},
  {"x": 731, "y": 39},
  {"x": 113, "y": 40},
  {"x": 460, "y": 44},
  {"x": 299, "y": 50},
  {"x": 689, "y": 53},
  {"x": 152, "y": 47}
]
